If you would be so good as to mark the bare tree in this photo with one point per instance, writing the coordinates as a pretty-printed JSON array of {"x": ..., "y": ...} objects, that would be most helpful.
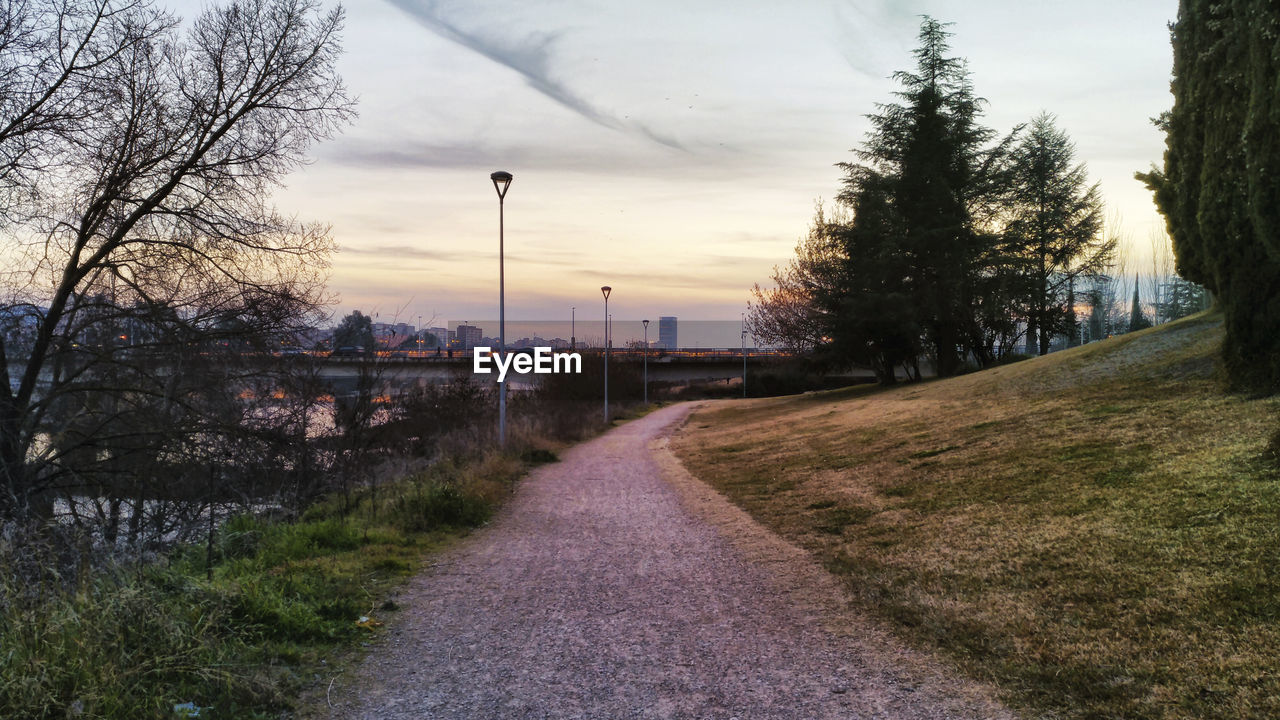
[
  {"x": 137, "y": 201},
  {"x": 790, "y": 314},
  {"x": 1162, "y": 274}
]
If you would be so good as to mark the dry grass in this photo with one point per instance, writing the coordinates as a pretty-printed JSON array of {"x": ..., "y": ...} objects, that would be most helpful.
[{"x": 1095, "y": 531}]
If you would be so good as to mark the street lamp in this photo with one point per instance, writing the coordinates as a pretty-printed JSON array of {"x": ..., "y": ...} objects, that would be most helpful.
[
  {"x": 605, "y": 291},
  {"x": 744, "y": 355},
  {"x": 501, "y": 181},
  {"x": 646, "y": 361},
  {"x": 573, "y": 323}
]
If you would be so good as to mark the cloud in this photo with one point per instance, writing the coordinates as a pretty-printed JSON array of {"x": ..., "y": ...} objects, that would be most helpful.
[
  {"x": 531, "y": 56},
  {"x": 378, "y": 253},
  {"x": 407, "y": 251},
  {"x": 870, "y": 31},
  {"x": 709, "y": 281},
  {"x": 384, "y": 153},
  {"x": 397, "y": 155}
]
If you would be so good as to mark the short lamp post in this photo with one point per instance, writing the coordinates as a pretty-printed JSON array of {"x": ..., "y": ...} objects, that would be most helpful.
[
  {"x": 501, "y": 181},
  {"x": 605, "y": 291},
  {"x": 646, "y": 361}
]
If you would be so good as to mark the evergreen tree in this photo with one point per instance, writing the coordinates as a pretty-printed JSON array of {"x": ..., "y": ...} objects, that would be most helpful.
[
  {"x": 1182, "y": 298},
  {"x": 1097, "y": 326},
  {"x": 921, "y": 173},
  {"x": 1218, "y": 187},
  {"x": 355, "y": 330},
  {"x": 871, "y": 306},
  {"x": 1055, "y": 225},
  {"x": 1137, "y": 318}
]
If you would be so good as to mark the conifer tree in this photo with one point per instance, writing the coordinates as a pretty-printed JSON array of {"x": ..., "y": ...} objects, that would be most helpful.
[
  {"x": 924, "y": 167},
  {"x": 1218, "y": 189},
  {"x": 1055, "y": 225},
  {"x": 873, "y": 318},
  {"x": 1137, "y": 318}
]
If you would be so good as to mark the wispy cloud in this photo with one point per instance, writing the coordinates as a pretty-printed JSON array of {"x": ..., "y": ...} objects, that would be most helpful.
[
  {"x": 406, "y": 251},
  {"x": 869, "y": 26},
  {"x": 383, "y": 153},
  {"x": 532, "y": 57},
  {"x": 409, "y": 252}
]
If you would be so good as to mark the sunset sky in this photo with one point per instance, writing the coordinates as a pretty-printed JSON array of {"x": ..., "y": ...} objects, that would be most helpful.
[{"x": 672, "y": 150}]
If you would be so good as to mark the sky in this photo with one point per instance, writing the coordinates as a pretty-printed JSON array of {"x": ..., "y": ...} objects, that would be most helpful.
[{"x": 672, "y": 150}]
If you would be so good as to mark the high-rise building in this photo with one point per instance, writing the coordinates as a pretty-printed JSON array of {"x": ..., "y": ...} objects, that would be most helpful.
[
  {"x": 468, "y": 336},
  {"x": 667, "y": 333}
]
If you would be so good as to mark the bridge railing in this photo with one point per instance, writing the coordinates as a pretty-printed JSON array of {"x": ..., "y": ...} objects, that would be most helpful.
[{"x": 690, "y": 354}]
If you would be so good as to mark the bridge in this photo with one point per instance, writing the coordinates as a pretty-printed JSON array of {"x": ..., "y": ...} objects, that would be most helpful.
[
  {"x": 400, "y": 370},
  {"x": 410, "y": 368}
]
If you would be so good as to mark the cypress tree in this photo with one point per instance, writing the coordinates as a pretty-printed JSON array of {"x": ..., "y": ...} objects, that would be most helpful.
[
  {"x": 1137, "y": 319},
  {"x": 1219, "y": 190}
]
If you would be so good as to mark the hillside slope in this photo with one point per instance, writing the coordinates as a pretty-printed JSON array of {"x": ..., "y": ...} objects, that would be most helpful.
[{"x": 1095, "y": 530}]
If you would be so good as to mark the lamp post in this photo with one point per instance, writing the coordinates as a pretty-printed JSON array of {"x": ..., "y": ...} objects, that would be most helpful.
[
  {"x": 501, "y": 181},
  {"x": 744, "y": 355},
  {"x": 573, "y": 323},
  {"x": 605, "y": 291},
  {"x": 646, "y": 361}
]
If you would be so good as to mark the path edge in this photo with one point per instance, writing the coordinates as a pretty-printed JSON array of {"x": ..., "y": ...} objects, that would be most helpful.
[{"x": 795, "y": 574}]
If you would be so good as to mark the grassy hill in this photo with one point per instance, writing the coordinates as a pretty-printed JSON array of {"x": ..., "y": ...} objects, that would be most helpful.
[{"x": 1096, "y": 531}]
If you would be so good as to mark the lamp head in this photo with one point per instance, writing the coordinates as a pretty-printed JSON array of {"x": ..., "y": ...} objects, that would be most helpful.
[
  {"x": 501, "y": 180},
  {"x": 605, "y": 291},
  {"x": 646, "y": 323}
]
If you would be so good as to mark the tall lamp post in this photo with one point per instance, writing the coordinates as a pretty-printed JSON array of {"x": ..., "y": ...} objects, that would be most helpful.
[
  {"x": 744, "y": 355},
  {"x": 573, "y": 324},
  {"x": 646, "y": 361},
  {"x": 501, "y": 181},
  {"x": 605, "y": 291}
]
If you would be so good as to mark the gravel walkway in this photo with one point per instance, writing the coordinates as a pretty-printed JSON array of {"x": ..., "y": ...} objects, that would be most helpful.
[{"x": 613, "y": 585}]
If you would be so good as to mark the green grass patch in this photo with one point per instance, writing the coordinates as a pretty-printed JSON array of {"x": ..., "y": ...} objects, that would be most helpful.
[{"x": 238, "y": 636}]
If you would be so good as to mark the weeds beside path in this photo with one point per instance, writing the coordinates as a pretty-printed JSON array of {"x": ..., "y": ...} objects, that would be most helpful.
[{"x": 601, "y": 590}]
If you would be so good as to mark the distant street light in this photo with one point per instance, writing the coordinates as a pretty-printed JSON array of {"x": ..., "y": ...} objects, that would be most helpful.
[
  {"x": 573, "y": 323},
  {"x": 605, "y": 291},
  {"x": 744, "y": 355},
  {"x": 646, "y": 361},
  {"x": 501, "y": 181}
]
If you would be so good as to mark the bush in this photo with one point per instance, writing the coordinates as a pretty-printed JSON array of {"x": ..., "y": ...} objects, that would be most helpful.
[{"x": 432, "y": 505}]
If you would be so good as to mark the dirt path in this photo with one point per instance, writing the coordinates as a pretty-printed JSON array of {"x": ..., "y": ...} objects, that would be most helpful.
[{"x": 613, "y": 585}]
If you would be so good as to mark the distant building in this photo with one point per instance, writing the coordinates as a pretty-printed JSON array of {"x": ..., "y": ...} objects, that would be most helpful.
[
  {"x": 468, "y": 336},
  {"x": 392, "y": 334},
  {"x": 667, "y": 333},
  {"x": 441, "y": 335}
]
